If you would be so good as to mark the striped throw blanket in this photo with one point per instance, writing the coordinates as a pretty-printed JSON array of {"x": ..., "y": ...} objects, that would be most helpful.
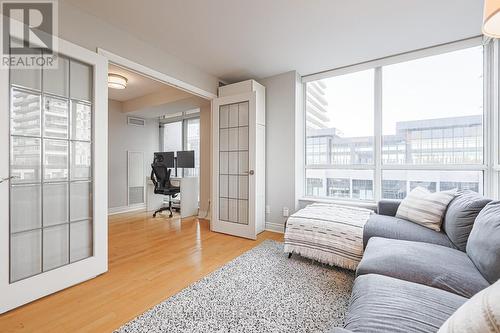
[{"x": 329, "y": 233}]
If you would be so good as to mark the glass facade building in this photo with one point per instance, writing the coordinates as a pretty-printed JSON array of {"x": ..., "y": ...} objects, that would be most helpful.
[{"x": 457, "y": 140}]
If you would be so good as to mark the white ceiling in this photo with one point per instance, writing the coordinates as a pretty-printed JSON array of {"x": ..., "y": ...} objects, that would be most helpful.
[
  {"x": 137, "y": 85},
  {"x": 186, "y": 104},
  {"x": 140, "y": 90},
  {"x": 240, "y": 39}
]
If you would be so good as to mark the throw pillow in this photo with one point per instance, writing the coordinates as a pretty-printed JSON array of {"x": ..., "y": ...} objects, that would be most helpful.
[
  {"x": 425, "y": 208},
  {"x": 480, "y": 314},
  {"x": 460, "y": 216},
  {"x": 483, "y": 246}
]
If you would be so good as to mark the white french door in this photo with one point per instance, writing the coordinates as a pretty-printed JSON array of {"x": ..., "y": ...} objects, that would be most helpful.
[
  {"x": 53, "y": 172},
  {"x": 234, "y": 163}
]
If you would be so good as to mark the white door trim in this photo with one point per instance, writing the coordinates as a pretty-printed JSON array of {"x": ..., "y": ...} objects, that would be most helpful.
[{"x": 154, "y": 74}]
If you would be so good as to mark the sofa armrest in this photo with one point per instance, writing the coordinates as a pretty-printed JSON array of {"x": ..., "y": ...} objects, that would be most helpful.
[{"x": 388, "y": 207}]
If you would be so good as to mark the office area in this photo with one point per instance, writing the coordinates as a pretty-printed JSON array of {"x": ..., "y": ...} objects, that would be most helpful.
[{"x": 145, "y": 117}]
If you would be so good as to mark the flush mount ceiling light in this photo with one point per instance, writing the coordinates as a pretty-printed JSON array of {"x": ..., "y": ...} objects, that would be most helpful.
[
  {"x": 116, "y": 81},
  {"x": 491, "y": 19}
]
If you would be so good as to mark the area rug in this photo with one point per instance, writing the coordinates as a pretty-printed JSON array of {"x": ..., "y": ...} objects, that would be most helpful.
[{"x": 260, "y": 291}]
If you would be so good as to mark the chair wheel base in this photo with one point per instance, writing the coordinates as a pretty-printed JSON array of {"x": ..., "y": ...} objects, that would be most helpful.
[{"x": 163, "y": 209}]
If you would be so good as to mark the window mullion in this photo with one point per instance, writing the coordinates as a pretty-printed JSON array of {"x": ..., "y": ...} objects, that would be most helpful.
[
  {"x": 491, "y": 136},
  {"x": 378, "y": 133},
  {"x": 488, "y": 129}
]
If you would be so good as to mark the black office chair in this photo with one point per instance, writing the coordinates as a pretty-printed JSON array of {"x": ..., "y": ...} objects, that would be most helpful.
[{"x": 160, "y": 176}]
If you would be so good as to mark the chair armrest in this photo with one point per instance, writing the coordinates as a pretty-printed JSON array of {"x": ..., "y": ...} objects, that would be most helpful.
[
  {"x": 388, "y": 207},
  {"x": 153, "y": 178}
]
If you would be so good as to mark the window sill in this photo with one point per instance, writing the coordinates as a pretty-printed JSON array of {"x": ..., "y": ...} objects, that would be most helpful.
[{"x": 353, "y": 203}]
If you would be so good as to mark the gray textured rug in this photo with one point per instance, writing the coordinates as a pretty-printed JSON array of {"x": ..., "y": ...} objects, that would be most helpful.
[{"x": 260, "y": 291}]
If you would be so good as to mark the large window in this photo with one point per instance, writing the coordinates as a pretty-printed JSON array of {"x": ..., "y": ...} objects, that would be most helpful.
[
  {"x": 380, "y": 132},
  {"x": 172, "y": 136},
  {"x": 433, "y": 111},
  {"x": 192, "y": 142},
  {"x": 340, "y": 133},
  {"x": 183, "y": 133}
]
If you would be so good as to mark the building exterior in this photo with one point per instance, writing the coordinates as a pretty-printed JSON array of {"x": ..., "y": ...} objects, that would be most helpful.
[
  {"x": 457, "y": 140},
  {"x": 316, "y": 105}
]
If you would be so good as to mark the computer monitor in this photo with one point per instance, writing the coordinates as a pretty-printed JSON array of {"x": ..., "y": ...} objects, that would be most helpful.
[
  {"x": 165, "y": 158},
  {"x": 185, "y": 159}
]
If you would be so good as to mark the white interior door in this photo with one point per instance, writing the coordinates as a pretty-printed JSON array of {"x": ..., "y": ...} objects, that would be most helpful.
[
  {"x": 53, "y": 197},
  {"x": 234, "y": 126}
]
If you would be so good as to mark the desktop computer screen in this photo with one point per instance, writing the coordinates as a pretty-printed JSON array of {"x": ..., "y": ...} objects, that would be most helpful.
[
  {"x": 165, "y": 158},
  {"x": 185, "y": 159}
]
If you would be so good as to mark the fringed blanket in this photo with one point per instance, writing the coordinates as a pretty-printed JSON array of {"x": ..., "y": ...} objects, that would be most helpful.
[{"x": 331, "y": 234}]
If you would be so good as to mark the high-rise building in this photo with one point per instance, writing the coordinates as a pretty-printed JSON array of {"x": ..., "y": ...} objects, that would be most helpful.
[{"x": 317, "y": 106}]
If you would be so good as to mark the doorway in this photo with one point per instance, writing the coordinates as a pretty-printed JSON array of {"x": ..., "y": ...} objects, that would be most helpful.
[{"x": 159, "y": 117}]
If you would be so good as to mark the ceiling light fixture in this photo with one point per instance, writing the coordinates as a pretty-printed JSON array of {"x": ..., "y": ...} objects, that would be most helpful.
[
  {"x": 491, "y": 19},
  {"x": 116, "y": 81}
]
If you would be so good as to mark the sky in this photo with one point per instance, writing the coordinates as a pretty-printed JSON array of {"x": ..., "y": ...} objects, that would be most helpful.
[{"x": 446, "y": 85}]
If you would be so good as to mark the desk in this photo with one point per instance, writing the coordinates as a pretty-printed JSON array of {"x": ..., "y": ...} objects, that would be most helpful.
[{"x": 188, "y": 196}]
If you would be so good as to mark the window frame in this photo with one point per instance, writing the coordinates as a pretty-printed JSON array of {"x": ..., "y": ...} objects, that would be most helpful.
[
  {"x": 183, "y": 118},
  {"x": 185, "y": 131},
  {"x": 494, "y": 99},
  {"x": 491, "y": 119}
]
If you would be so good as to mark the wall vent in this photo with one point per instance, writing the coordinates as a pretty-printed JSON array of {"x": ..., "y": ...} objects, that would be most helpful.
[{"x": 136, "y": 121}]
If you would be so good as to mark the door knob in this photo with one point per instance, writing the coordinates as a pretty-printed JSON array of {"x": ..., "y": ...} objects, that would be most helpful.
[
  {"x": 7, "y": 178},
  {"x": 251, "y": 172}
]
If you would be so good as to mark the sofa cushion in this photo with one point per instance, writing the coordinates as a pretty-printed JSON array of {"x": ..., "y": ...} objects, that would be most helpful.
[
  {"x": 478, "y": 315},
  {"x": 425, "y": 208},
  {"x": 392, "y": 227},
  {"x": 432, "y": 265},
  {"x": 460, "y": 216},
  {"x": 383, "y": 304},
  {"x": 483, "y": 246}
]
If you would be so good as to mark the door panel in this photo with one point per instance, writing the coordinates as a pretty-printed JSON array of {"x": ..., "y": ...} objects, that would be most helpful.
[
  {"x": 25, "y": 159},
  {"x": 232, "y": 161},
  {"x": 81, "y": 240},
  {"x": 53, "y": 190},
  {"x": 233, "y": 149},
  {"x": 55, "y": 246},
  {"x": 44, "y": 245},
  {"x": 25, "y": 207},
  {"x": 26, "y": 254}
]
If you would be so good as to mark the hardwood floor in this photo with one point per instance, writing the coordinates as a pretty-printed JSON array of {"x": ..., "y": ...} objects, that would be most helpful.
[{"x": 149, "y": 260}]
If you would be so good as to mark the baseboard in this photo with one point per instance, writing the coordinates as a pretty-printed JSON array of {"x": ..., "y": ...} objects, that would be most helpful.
[
  {"x": 275, "y": 227},
  {"x": 125, "y": 209}
]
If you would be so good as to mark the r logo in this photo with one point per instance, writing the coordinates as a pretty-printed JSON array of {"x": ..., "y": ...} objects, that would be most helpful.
[{"x": 27, "y": 27}]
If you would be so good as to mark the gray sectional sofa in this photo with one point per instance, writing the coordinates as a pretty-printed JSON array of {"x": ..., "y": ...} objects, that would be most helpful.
[{"x": 412, "y": 279}]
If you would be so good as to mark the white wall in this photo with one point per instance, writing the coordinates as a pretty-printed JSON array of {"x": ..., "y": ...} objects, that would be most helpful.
[
  {"x": 121, "y": 139},
  {"x": 283, "y": 161},
  {"x": 91, "y": 32}
]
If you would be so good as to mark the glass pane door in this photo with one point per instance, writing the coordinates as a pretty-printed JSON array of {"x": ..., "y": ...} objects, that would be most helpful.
[
  {"x": 51, "y": 162},
  {"x": 233, "y": 163}
]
